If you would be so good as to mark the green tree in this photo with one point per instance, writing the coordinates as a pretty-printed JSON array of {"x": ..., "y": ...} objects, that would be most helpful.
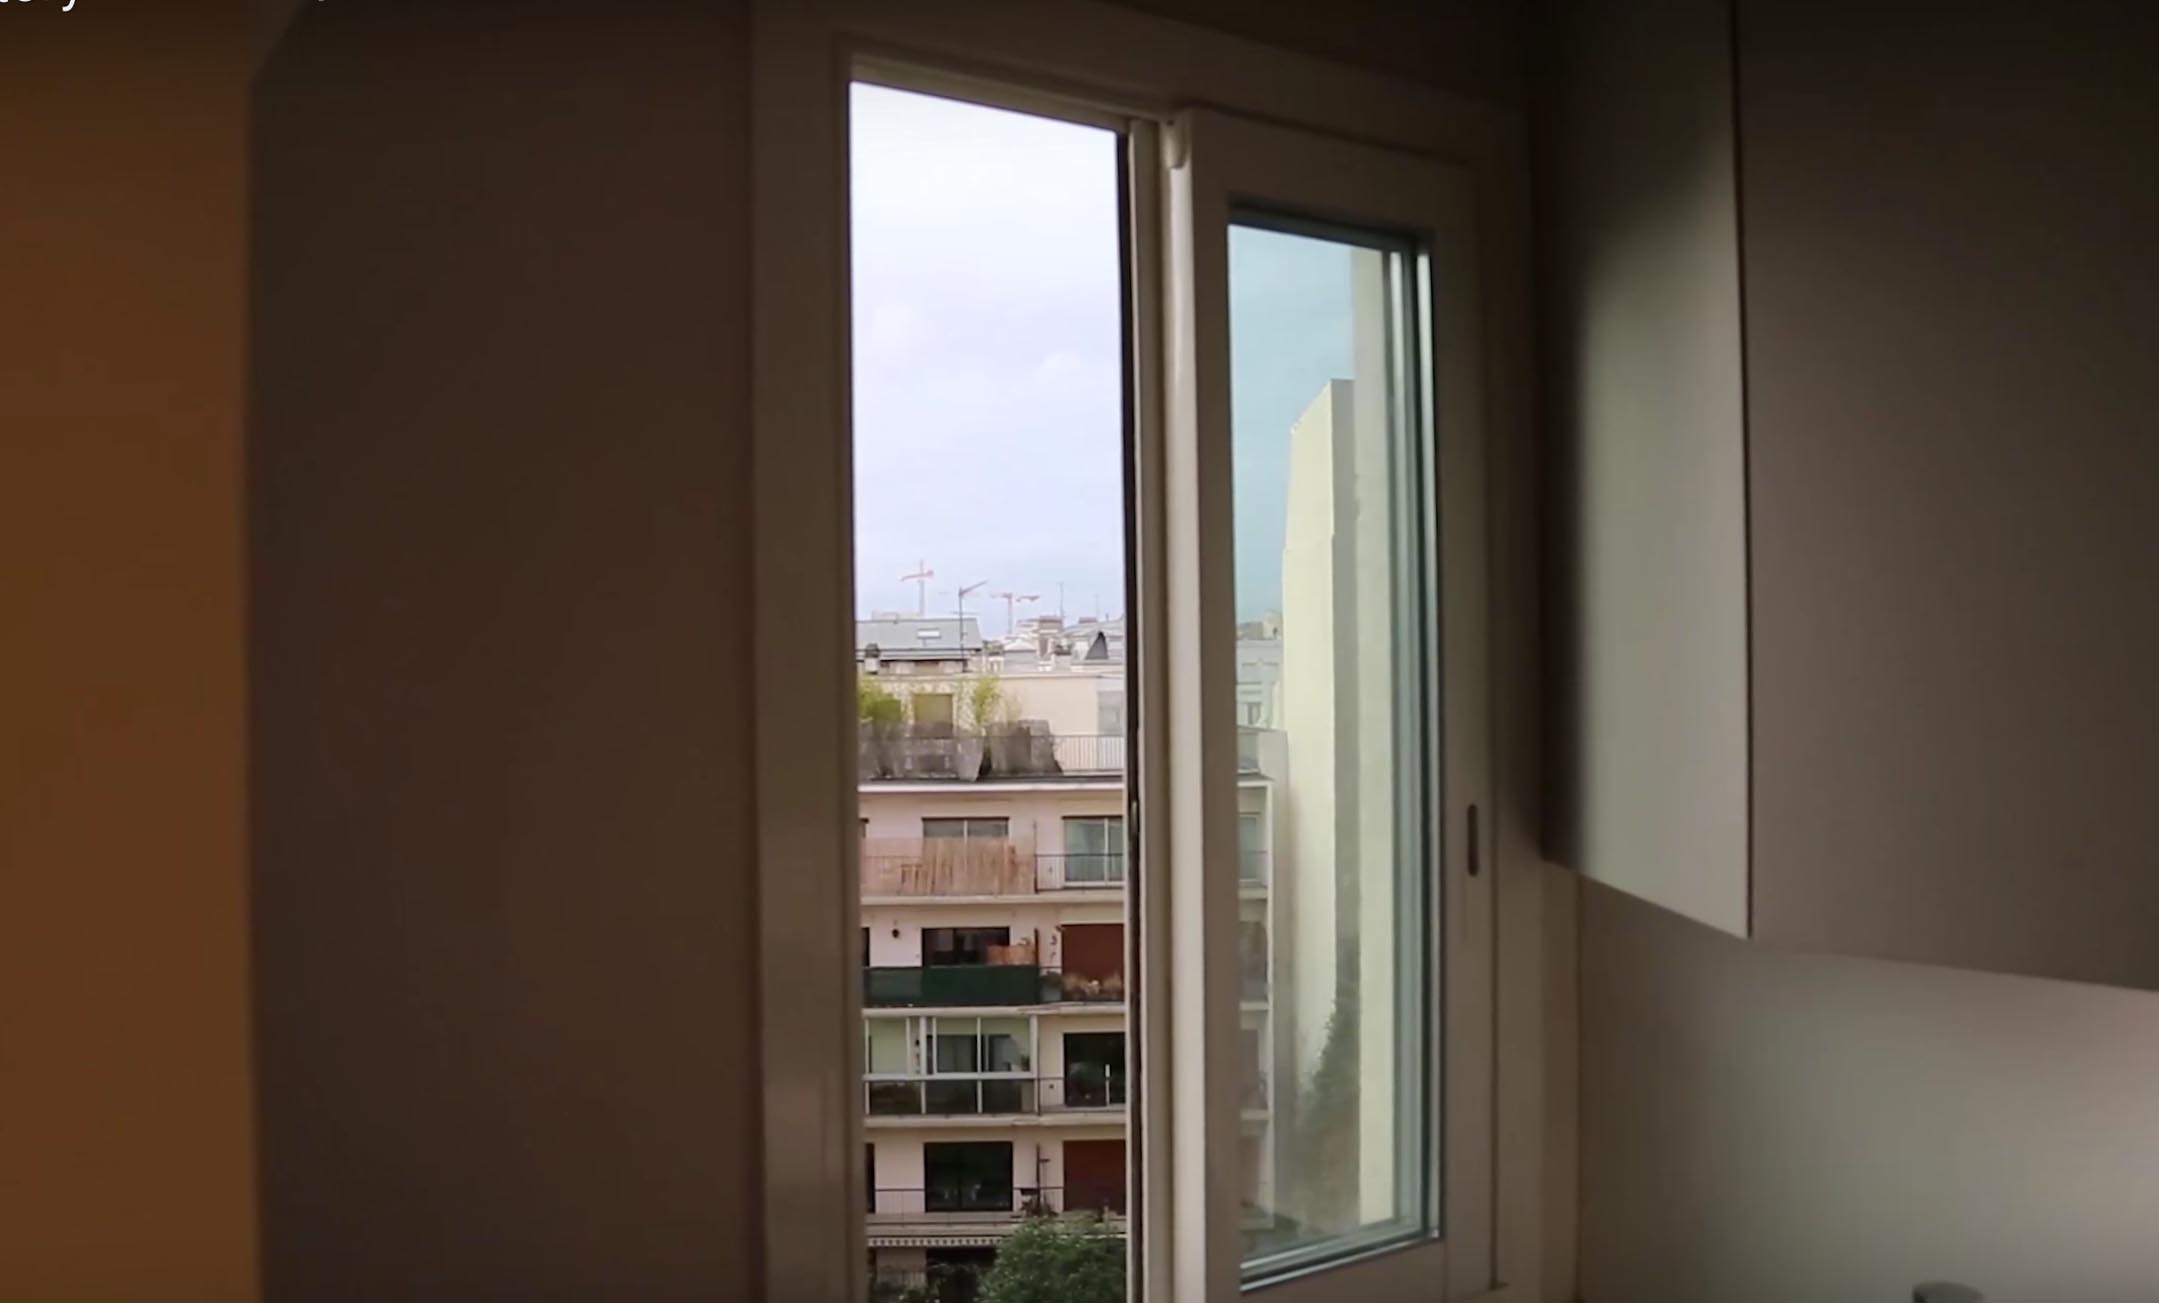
[
  {"x": 1058, "y": 1260},
  {"x": 983, "y": 703},
  {"x": 875, "y": 705},
  {"x": 1323, "y": 1130}
]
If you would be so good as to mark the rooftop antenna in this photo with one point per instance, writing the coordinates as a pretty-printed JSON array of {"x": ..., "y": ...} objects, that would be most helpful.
[
  {"x": 921, "y": 580},
  {"x": 1010, "y": 598}
]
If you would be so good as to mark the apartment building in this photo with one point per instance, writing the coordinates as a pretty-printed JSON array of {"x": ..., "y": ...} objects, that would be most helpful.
[{"x": 993, "y": 876}]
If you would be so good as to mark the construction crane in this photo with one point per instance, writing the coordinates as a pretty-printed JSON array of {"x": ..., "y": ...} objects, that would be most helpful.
[
  {"x": 1010, "y": 600},
  {"x": 966, "y": 589},
  {"x": 921, "y": 579}
]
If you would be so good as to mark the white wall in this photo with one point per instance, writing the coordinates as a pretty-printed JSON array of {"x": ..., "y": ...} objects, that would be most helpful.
[
  {"x": 1784, "y": 1128},
  {"x": 896, "y": 930}
]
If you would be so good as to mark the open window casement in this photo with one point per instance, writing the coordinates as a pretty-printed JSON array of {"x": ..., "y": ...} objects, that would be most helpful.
[
  {"x": 1357, "y": 537},
  {"x": 1311, "y": 961}
]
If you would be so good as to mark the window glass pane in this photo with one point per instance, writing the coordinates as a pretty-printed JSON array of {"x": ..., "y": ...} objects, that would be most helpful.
[
  {"x": 1251, "y": 848},
  {"x": 1329, "y": 542},
  {"x": 1094, "y": 848},
  {"x": 956, "y": 1045},
  {"x": 1005, "y": 1045},
  {"x": 886, "y": 1051}
]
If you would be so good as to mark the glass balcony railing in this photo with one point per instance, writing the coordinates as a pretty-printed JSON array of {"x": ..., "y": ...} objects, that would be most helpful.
[
  {"x": 1079, "y": 870},
  {"x": 1085, "y": 1088}
]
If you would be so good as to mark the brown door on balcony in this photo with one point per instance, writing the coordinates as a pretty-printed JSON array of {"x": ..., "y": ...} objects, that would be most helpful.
[
  {"x": 1094, "y": 1176},
  {"x": 1093, "y": 961}
]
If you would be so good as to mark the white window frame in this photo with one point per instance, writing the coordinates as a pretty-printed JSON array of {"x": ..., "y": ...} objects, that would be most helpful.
[{"x": 1113, "y": 67}]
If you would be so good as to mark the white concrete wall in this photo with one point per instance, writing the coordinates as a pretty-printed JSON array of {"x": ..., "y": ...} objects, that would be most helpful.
[
  {"x": 1313, "y": 588},
  {"x": 1037, "y": 816},
  {"x": 1037, "y": 1152},
  {"x": 896, "y": 930}
]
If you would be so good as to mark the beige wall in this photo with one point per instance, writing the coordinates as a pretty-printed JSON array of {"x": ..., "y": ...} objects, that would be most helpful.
[
  {"x": 126, "y": 1142},
  {"x": 1952, "y": 312},
  {"x": 500, "y": 803},
  {"x": 504, "y": 891},
  {"x": 1647, "y": 584},
  {"x": 1785, "y": 1128}
]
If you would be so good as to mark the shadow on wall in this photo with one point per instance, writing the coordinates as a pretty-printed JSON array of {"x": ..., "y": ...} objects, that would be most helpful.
[{"x": 1789, "y": 1128}]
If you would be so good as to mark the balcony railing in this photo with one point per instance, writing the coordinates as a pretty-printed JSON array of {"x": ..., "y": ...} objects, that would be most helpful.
[
  {"x": 944, "y": 753},
  {"x": 1079, "y": 870},
  {"x": 1084, "y": 1089},
  {"x": 980, "y": 866},
  {"x": 947, "y": 866},
  {"x": 1252, "y": 868},
  {"x": 953, "y": 986},
  {"x": 969, "y": 986},
  {"x": 1024, "y": 750},
  {"x": 987, "y": 1202}
]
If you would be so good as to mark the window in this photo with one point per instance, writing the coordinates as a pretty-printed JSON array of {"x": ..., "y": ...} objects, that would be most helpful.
[
  {"x": 931, "y": 708},
  {"x": 1094, "y": 1070},
  {"x": 1109, "y": 712},
  {"x": 1094, "y": 848},
  {"x": 956, "y": 946},
  {"x": 970, "y": 829},
  {"x": 1251, "y": 848},
  {"x": 1330, "y": 535},
  {"x": 1358, "y": 813},
  {"x": 967, "y": 1176},
  {"x": 979, "y": 1045}
]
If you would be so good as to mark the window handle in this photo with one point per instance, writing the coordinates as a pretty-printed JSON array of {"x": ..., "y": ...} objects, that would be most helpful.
[{"x": 1476, "y": 859}]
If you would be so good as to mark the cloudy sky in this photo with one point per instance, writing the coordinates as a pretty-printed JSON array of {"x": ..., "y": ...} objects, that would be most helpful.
[{"x": 987, "y": 381}]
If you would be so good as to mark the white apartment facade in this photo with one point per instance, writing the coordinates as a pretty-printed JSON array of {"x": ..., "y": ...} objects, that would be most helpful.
[{"x": 993, "y": 943}]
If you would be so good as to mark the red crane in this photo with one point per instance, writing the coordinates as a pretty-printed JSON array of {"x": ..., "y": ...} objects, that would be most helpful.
[{"x": 921, "y": 579}]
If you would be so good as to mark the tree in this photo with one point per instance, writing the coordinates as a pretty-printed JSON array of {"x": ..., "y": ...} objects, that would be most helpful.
[
  {"x": 983, "y": 705},
  {"x": 875, "y": 705},
  {"x": 1058, "y": 1260}
]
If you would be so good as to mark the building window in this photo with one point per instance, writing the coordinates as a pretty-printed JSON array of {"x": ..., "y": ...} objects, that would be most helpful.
[
  {"x": 1094, "y": 1070},
  {"x": 1251, "y": 848},
  {"x": 970, "y": 829},
  {"x": 978, "y": 1045},
  {"x": 1094, "y": 848},
  {"x": 971, "y": 1176},
  {"x": 1109, "y": 713},
  {"x": 947, "y": 947}
]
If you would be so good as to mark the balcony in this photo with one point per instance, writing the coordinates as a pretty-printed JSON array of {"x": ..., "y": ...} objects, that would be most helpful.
[
  {"x": 958, "y": 986},
  {"x": 930, "y": 867},
  {"x": 1084, "y": 1089},
  {"x": 1027, "y": 750},
  {"x": 1079, "y": 870},
  {"x": 977, "y": 986},
  {"x": 944, "y": 753},
  {"x": 947, "y": 866},
  {"x": 978, "y": 1202}
]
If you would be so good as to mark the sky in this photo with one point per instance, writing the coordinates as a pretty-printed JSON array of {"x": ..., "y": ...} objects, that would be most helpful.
[{"x": 988, "y": 382}]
